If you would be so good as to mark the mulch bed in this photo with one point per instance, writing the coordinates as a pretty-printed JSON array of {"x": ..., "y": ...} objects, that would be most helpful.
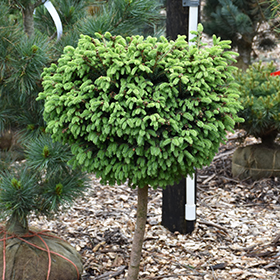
[{"x": 237, "y": 233}]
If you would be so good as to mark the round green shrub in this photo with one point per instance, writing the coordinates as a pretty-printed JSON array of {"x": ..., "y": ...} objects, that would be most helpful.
[
  {"x": 260, "y": 97},
  {"x": 146, "y": 110}
]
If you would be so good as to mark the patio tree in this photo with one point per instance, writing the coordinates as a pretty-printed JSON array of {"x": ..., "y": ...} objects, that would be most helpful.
[{"x": 143, "y": 111}]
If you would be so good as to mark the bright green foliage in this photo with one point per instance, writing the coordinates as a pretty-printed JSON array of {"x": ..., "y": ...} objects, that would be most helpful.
[
  {"x": 23, "y": 58},
  {"x": 260, "y": 97},
  {"x": 145, "y": 110},
  {"x": 47, "y": 181},
  {"x": 120, "y": 17}
]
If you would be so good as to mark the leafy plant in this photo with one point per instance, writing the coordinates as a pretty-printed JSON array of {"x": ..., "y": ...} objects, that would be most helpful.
[
  {"x": 260, "y": 97},
  {"x": 147, "y": 111},
  {"x": 44, "y": 183}
]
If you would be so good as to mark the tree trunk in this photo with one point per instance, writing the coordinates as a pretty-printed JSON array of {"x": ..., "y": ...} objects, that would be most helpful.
[
  {"x": 17, "y": 225},
  {"x": 138, "y": 237},
  {"x": 245, "y": 50},
  {"x": 28, "y": 20},
  {"x": 177, "y": 19}
]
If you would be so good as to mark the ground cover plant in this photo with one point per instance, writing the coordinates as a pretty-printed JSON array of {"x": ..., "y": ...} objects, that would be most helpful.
[{"x": 147, "y": 111}]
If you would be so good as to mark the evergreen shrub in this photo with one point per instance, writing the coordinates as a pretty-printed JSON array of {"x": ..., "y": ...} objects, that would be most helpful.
[
  {"x": 240, "y": 21},
  {"x": 44, "y": 184},
  {"x": 260, "y": 97},
  {"x": 147, "y": 110}
]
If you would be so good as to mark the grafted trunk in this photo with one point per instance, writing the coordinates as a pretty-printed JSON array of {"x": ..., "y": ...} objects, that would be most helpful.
[
  {"x": 17, "y": 225},
  {"x": 138, "y": 238}
]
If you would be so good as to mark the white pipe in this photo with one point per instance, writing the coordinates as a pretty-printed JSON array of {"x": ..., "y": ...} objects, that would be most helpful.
[
  {"x": 193, "y": 18},
  {"x": 51, "y": 9},
  {"x": 190, "y": 207}
]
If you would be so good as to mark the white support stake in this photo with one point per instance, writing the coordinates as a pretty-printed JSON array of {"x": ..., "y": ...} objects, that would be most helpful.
[
  {"x": 190, "y": 206},
  {"x": 51, "y": 9},
  {"x": 193, "y": 18}
]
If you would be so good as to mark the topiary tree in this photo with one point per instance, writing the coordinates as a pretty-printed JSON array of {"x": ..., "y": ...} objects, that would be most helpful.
[
  {"x": 27, "y": 47},
  {"x": 147, "y": 111}
]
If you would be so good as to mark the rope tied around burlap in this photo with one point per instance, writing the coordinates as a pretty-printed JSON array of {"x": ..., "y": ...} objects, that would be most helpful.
[{"x": 46, "y": 249}]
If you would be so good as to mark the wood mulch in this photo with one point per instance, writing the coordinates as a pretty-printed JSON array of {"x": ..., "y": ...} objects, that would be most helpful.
[{"x": 237, "y": 233}]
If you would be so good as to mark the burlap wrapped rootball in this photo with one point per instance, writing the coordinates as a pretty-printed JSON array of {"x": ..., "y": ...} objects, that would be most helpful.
[
  {"x": 38, "y": 257},
  {"x": 256, "y": 162}
]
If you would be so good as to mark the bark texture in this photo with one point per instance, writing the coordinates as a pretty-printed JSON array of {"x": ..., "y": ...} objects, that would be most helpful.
[
  {"x": 17, "y": 225},
  {"x": 28, "y": 20},
  {"x": 245, "y": 50},
  {"x": 139, "y": 233},
  {"x": 28, "y": 16}
]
